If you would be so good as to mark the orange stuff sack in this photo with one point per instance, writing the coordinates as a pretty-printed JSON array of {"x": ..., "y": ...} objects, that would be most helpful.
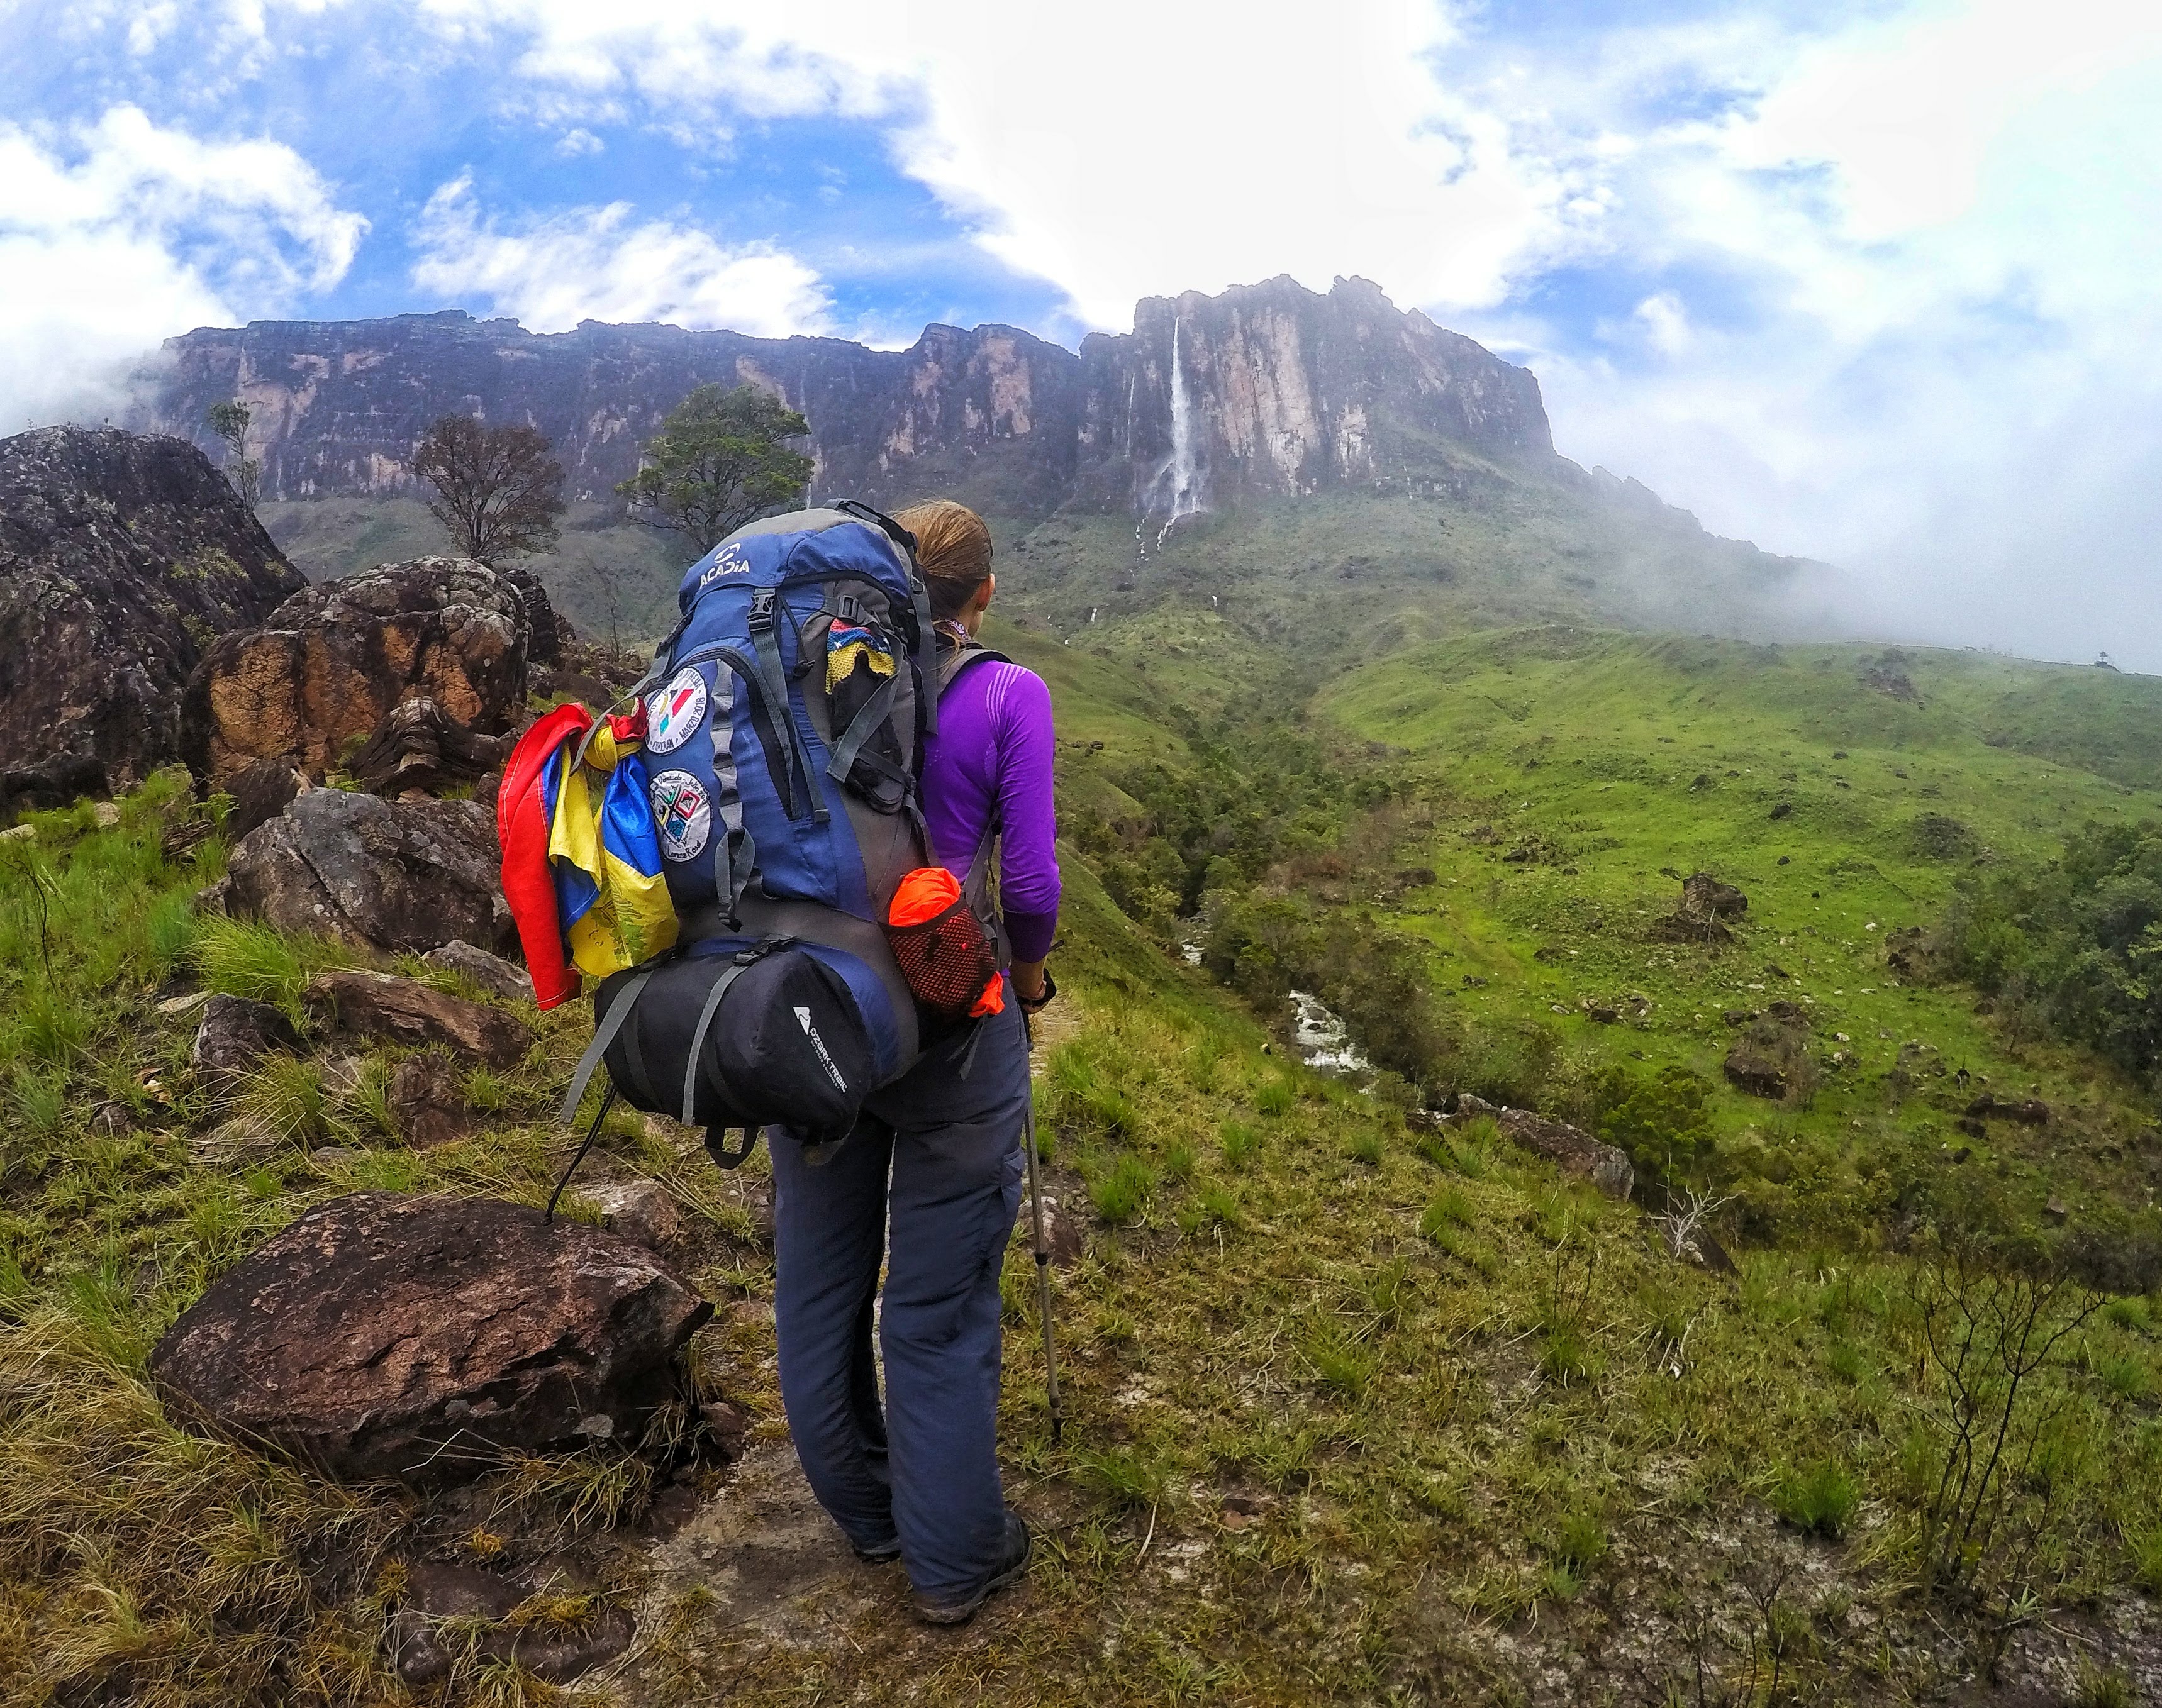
[{"x": 950, "y": 962}]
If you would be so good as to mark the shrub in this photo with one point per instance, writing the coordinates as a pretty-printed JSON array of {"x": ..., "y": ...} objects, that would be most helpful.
[
  {"x": 1663, "y": 1122},
  {"x": 2079, "y": 944}
]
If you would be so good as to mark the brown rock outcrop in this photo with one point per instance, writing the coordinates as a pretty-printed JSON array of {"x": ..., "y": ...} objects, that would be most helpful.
[
  {"x": 1708, "y": 898},
  {"x": 494, "y": 974},
  {"x": 1750, "y": 1068},
  {"x": 235, "y": 1035},
  {"x": 330, "y": 664},
  {"x": 122, "y": 560},
  {"x": 427, "y": 1101},
  {"x": 419, "y": 1337},
  {"x": 392, "y": 875}
]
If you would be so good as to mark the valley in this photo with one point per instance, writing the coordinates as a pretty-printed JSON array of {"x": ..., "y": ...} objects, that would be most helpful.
[{"x": 1623, "y": 1318}]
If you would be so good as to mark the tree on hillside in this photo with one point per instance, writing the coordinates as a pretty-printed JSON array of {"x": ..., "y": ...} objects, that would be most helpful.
[
  {"x": 229, "y": 421},
  {"x": 716, "y": 463},
  {"x": 498, "y": 490}
]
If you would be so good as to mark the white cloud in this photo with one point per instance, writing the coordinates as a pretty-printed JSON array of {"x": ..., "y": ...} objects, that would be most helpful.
[
  {"x": 1153, "y": 148},
  {"x": 578, "y": 141},
  {"x": 1924, "y": 341},
  {"x": 594, "y": 263},
  {"x": 116, "y": 235}
]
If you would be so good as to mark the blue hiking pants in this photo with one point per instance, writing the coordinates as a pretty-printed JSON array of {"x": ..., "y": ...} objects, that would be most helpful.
[{"x": 937, "y": 1159}]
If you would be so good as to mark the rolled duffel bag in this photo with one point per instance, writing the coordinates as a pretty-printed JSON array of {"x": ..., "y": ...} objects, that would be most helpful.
[{"x": 735, "y": 1034}]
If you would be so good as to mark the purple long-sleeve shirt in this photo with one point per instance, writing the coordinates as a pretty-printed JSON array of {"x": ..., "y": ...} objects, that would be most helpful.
[{"x": 990, "y": 763}]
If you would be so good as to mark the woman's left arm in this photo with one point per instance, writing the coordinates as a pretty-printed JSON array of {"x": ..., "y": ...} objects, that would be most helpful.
[{"x": 1028, "y": 824}]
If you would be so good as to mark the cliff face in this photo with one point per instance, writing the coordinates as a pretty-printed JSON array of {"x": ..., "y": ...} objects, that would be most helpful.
[
  {"x": 1270, "y": 389},
  {"x": 122, "y": 560},
  {"x": 1274, "y": 390}
]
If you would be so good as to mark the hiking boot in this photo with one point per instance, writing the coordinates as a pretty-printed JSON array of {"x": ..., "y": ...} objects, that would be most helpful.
[
  {"x": 884, "y": 1555},
  {"x": 959, "y": 1607}
]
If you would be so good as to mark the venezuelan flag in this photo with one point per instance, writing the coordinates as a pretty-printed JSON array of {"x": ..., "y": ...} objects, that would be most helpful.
[
  {"x": 849, "y": 643},
  {"x": 604, "y": 852}
]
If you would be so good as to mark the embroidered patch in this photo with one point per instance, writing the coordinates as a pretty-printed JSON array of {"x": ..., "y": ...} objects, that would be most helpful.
[
  {"x": 673, "y": 713},
  {"x": 683, "y": 814}
]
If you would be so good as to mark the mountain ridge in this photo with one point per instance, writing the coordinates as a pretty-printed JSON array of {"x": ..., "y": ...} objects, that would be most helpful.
[{"x": 1291, "y": 391}]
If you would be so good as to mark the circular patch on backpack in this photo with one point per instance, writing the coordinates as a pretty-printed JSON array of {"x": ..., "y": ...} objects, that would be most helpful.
[
  {"x": 683, "y": 814},
  {"x": 674, "y": 713}
]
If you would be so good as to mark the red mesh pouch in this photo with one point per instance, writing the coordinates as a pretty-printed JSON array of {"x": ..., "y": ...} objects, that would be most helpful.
[{"x": 949, "y": 961}]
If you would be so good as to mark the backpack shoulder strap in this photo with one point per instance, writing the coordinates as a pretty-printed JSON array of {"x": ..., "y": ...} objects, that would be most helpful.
[{"x": 955, "y": 658}]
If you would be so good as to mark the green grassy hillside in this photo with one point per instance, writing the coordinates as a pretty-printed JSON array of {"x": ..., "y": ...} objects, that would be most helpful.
[
  {"x": 1357, "y": 1412},
  {"x": 1360, "y": 1410},
  {"x": 1844, "y": 789}
]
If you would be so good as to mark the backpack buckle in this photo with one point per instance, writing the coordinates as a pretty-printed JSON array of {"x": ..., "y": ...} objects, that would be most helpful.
[
  {"x": 758, "y": 951},
  {"x": 761, "y": 609}
]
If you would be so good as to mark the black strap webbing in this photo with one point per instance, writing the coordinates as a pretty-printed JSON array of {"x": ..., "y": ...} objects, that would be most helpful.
[
  {"x": 734, "y": 972},
  {"x": 604, "y": 1032}
]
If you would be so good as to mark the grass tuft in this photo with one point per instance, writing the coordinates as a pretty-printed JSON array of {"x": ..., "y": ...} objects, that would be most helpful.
[
  {"x": 1120, "y": 1192},
  {"x": 1124, "y": 1476},
  {"x": 1821, "y": 1498},
  {"x": 1449, "y": 1209},
  {"x": 1239, "y": 1142}
]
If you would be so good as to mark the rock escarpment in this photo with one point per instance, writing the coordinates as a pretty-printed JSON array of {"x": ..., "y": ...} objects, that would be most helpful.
[
  {"x": 1271, "y": 389},
  {"x": 339, "y": 406},
  {"x": 325, "y": 669},
  {"x": 1276, "y": 390},
  {"x": 122, "y": 560}
]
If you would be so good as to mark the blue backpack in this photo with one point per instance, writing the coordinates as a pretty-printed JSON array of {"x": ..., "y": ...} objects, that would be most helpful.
[{"x": 786, "y": 717}]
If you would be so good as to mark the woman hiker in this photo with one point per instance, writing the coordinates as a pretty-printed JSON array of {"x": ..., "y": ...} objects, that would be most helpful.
[{"x": 936, "y": 1157}]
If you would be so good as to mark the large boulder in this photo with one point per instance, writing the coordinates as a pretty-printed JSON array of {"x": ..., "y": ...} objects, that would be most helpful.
[
  {"x": 386, "y": 874},
  {"x": 422, "y": 1337},
  {"x": 123, "y": 559},
  {"x": 329, "y": 665}
]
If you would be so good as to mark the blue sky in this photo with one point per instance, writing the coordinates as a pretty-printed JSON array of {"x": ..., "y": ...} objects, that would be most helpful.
[{"x": 1872, "y": 283}]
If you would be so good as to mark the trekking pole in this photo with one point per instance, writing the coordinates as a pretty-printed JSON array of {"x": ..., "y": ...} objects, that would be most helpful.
[
  {"x": 592, "y": 1133},
  {"x": 1042, "y": 1245}
]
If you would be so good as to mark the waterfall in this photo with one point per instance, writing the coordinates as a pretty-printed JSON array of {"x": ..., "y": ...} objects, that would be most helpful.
[{"x": 1176, "y": 491}]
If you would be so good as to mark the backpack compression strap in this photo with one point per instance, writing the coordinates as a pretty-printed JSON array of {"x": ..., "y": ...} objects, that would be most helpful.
[
  {"x": 739, "y": 963},
  {"x": 603, "y": 1035}
]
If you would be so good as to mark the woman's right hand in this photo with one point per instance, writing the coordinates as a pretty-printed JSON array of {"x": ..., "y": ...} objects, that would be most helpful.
[{"x": 1032, "y": 984}]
